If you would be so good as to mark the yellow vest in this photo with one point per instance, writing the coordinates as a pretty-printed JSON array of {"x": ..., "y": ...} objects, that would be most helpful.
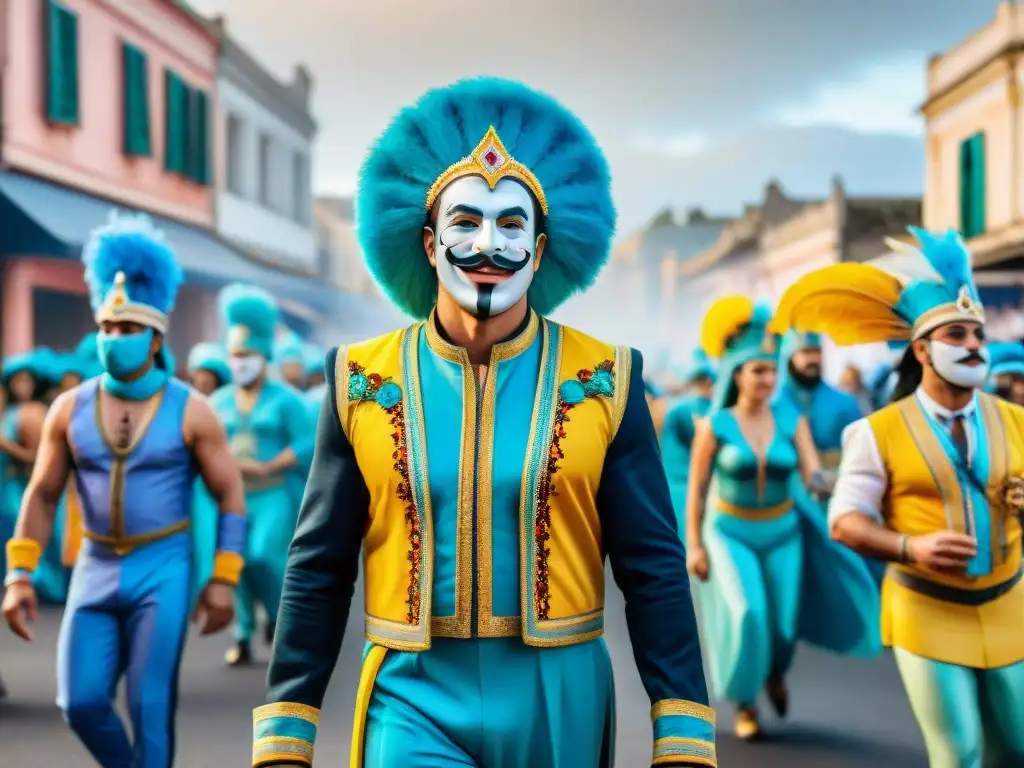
[
  {"x": 924, "y": 495},
  {"x": 561, "y": 552}
]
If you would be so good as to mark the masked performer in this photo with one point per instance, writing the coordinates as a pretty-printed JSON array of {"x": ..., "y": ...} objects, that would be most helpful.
[
  {"x": 313, "y": 357},
  {"x": 487, "y": 459},
  {"x": 135, "y": 437},
  {"x": 769, "y": 573},
  {"x": 1006, "y": 373},
  {"x": 931, "y": 484},
  {"x": 208, "y": 367},
  {"x": 679, "y": 427},
  {"x": 268, "y": 425},
  {"x": 290, "y": 360}
]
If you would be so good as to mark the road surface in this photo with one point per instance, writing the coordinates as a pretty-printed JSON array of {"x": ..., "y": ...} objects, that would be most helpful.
[{"x": 844, "y": 713}]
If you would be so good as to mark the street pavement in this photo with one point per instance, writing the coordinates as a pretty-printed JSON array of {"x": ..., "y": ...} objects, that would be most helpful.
[{"x": 844, "y": 713}]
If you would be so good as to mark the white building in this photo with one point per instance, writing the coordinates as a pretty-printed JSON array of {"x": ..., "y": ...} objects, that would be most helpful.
[{"x": 265, "y": 200}]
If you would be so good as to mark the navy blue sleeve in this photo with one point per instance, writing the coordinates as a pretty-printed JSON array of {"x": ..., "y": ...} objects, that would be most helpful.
[
  {"x": 323, "y": 562},
  {"x": 649, "y": 565}
]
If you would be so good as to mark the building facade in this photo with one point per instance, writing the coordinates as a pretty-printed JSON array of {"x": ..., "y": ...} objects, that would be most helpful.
[
  {"x": 782, "y": 239},
  {"x": 974, "y": 169},
  {"x": 264, "y": 198}
]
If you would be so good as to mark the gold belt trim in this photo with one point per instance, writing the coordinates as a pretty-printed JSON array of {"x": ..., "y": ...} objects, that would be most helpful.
[
  {"x": 750, "y": 513},
  {"x": 122, "y": 545}
]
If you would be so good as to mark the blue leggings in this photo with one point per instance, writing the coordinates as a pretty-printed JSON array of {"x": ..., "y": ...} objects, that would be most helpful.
[
  {"x": 271, "y": 519},
  {"x": 970, "y": 718},
  {"x": 125, "y": 616}
]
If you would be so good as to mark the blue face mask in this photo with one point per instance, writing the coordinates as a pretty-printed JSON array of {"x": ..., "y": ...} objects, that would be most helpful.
[{"x": 123, "y": 356}]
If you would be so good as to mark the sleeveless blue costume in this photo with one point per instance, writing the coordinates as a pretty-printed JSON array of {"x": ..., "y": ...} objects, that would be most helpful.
[
  {"x": 128, "y": 612},
  {"x": 676, "y": 440}
]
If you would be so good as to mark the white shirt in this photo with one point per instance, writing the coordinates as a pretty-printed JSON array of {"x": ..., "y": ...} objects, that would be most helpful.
[{"x": 863, "y": 477}]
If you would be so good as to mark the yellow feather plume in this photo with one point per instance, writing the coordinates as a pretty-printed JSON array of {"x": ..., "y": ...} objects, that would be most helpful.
[
  {"x": 850, "y": 303},
  {"x": 722, "y": 320}
]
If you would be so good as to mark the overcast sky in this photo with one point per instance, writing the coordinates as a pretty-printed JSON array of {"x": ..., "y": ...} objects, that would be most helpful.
[{"x": 697, "y": 102}]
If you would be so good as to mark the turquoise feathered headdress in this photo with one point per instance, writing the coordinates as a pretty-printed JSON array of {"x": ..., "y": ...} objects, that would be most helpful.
[
  {"x": 495, "y": 129},
  {"x": 736, "y": 331},
  {"x": 212, "y": 357},
  {"x": 315, "y": 359},
  {"x": 794, "y": 341},
  {"x": 1006, "y": 359},
  {"x": 700, "y": 366},
  {"x": 26, "y": 362},
  {"x": 131, "y": 272},
  {"x": 288, "y": 348},
  {"x": 250, "y": 318}
]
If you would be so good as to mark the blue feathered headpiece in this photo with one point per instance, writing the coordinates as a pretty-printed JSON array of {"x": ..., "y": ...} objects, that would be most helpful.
[
  {"x": 288, "y": 348},
  {"x": 131, "y": 272},
  {"x": 250, "y": 319},
  {"x": 1006, "y": 359},
  {"x": 938, "y": 283},
  {"x": 315, "y": 359},
  {"x": 700, "y": 366},
  {"x": 445, "y": 127},
  {"x": 794, "y": 341},
  {"x": 26, "y": 362},
  {"x": 736, "y": 331},
  {"x": 212, "y": 357}
]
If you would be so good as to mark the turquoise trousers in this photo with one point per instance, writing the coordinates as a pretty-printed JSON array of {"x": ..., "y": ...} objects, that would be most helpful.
[
  {"x": 492, "y": 703},
  {"x": 970, "y": 718}
]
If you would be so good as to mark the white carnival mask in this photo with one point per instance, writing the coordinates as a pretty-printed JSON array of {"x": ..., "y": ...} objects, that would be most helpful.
[
  {"x": 953, "y": 364},
  {"x": 485, "y": 244}
]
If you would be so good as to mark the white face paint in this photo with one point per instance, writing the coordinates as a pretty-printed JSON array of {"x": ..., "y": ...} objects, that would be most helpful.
[
  {"x": 484, "y": 244},
  {"x": 948, "y": 362},
  {"x": 245, "y": 370}
]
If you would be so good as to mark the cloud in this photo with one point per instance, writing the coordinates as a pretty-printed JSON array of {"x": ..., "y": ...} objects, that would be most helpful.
[
  {"x": 736, "y": 169},
  {"x": 882, "y": 99}
]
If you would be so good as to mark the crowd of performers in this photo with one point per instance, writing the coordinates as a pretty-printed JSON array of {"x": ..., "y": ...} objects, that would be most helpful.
[{"x": 488, "y": 461}]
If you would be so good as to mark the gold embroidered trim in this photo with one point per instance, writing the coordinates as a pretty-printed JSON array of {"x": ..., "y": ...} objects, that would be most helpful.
[
  {"x": 286, "y": 709},
  {"x": 999, "y": 470},
  {"x": 341, "y": 390},
  {"x": 492, "y": 162},
  {"x": 682, "y": 707},
  {"x": 623, "y": 376}
]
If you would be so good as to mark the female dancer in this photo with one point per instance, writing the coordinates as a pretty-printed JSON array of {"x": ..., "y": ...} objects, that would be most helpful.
[
  {"x": 763, "y": 581},
  {"x": 20, "y": 431}
]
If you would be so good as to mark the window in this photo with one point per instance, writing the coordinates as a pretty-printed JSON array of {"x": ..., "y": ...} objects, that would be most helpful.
[
  {"x": 300, "y": 188},
  {"x": 972, "y": 186},
  {"x": 266, "y": 157},
  {"x": 136, "y": 139},
  {"x": 61, "y": 45},
  {"x": 236, "y": 151},
  {"x": 186, "y": 129}
]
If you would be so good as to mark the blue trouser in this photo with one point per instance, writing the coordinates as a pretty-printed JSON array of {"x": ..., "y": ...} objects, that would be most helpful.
[
  {"x": 271, "y": 523},
  {"x": 492, "y": 703},
  {"x": 750, "y": 604},
  {"x": 970, "y": 718},
  {"x": 125, "y": 615}
]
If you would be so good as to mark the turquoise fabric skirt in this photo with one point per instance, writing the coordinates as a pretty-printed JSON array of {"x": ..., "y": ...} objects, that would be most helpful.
[{"x": 492, "y": 702}]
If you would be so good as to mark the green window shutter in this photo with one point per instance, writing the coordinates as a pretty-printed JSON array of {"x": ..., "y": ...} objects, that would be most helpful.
[
  {"x": 175, "y": 123},
  {"x": 199, "y": 137},
  {"x": 136, "y": 102},
  {"x": 978, "y": 186},
  {"x": 61, "y": 30}
]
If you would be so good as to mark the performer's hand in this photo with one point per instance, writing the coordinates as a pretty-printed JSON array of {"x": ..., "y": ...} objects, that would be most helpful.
[
  {"x": 216, "y": 607},
  {"x": 697, "y": 562},
  {"x": 20, "y": 606},
  {"x": 942, "y": 550}
]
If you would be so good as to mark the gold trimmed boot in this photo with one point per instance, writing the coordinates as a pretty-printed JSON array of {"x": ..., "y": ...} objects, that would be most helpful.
[{"x": 745, "y": 726}]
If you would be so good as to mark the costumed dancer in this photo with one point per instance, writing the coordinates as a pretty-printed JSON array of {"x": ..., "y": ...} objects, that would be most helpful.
[
  {"x": 1006, "y": 372},
  {"x": 208, "y": 371},
  {"x": 268, "y": 425},
  {"x": 135, "y": 437},
  {"x": 769, "y": 575},
  {"x": 932, "y": 484},
  {"x": 486, "y": 458},
  {"x": 679, "y": 427},
  {"x": 20, "y": 430}
]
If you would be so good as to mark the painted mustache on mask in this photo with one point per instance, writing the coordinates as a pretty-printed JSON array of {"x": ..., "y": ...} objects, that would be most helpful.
[
  {"x": 971, "y": 357},
  {"x": 473, "y": 260}
]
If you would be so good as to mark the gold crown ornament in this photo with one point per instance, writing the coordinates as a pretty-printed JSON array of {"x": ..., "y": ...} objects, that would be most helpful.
[
  {"x": 965, "y": 303},
  {"x": 492, "y": 162},
  {"x": 118, "y": 307}
]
